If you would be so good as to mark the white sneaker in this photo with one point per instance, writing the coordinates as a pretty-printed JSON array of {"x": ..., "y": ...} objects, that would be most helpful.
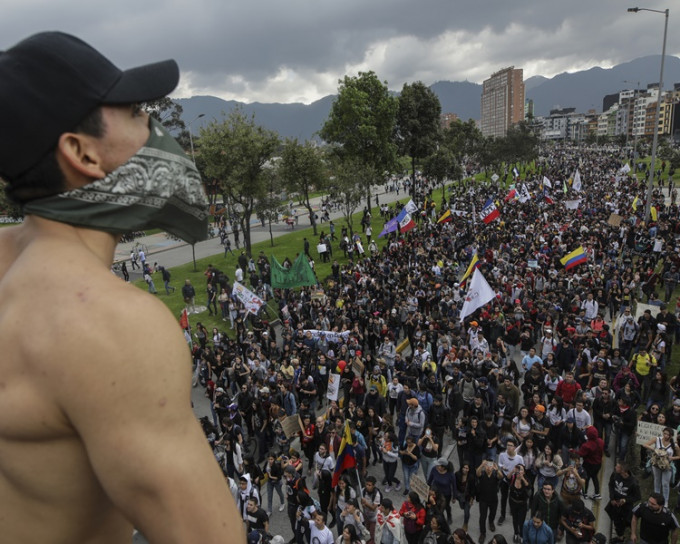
[{"x": 282, "y": 508}]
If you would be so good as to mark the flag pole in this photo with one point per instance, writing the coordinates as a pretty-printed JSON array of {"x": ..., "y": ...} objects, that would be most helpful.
[{"x": 361, "y": 491}]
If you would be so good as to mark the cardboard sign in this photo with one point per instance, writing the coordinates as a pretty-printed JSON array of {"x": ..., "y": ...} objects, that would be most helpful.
[
  {"x": 646, "y": 431},
  {"x": 615, "y": 220},
  {"x": 357, "y": 367},
  {"x": 291, "y": 426},
  {"x": 420, "y": 486}
]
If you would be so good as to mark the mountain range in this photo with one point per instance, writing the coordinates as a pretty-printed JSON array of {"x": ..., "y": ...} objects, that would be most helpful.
[{"x": 582, "y": 90}]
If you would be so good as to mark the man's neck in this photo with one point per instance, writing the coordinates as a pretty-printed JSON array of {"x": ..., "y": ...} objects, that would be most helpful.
[{"x": 100, "y": 244}]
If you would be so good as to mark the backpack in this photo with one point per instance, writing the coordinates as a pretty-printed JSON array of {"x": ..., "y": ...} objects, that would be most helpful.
[{"x": 659, "y": 458}]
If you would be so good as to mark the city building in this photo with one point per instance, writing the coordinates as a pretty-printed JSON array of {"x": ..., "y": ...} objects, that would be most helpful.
[
  {"x": 446, "y": 119},
  {"x": 502, "y": 101}
]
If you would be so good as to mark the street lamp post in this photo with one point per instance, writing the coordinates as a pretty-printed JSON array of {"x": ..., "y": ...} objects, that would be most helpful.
[
  {"x": 652, "y": 166},
  {"x": 193, "y": 158},
  {"x": 191, "y": 139}
]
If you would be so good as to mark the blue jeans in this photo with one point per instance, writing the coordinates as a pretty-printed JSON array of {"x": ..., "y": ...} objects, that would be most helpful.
[
  {"x": 427, "y": 463},
  {"x": 622, "y": 440},
  {"x": 465, "y": 505},
  {"x": 409, "y": 470},
  {"x": 271, "y": 486}
]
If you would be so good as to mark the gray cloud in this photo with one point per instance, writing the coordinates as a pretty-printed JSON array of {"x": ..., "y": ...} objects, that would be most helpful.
[{"x": 275, "y": 51}]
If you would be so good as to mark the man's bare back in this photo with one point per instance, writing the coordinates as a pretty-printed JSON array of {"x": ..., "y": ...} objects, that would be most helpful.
[{"x": 94, "y": 400}]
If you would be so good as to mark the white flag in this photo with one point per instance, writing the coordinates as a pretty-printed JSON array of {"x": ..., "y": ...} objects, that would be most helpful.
[
  {"x": 625, "y": 168},
  {"x": 577, "y": 181},
  {"x": 524, "y": 195},
  {"x": 547, "y": 182},
  {"x": 250, "y": 300},
  {"x": 411, "y": 207},
  {"x": 572, "y": 204},
  {"x": 478, "y": 295}
]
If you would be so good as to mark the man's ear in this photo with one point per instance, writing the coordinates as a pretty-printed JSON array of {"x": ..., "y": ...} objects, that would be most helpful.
[{"x": 79, "y": 156}]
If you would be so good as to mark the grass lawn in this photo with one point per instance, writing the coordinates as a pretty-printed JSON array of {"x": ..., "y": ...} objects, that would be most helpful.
[{"x": 287, "y": 245}]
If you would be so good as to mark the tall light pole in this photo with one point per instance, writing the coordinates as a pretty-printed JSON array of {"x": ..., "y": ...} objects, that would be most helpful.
[
  {"x": 193, "y": 158},
  {"x": 191, "y": 139},
  {"x": 655, "y": 141}
]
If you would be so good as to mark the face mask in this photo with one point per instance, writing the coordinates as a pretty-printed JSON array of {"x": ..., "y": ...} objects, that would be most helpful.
[{"x": 159, "y": 187}]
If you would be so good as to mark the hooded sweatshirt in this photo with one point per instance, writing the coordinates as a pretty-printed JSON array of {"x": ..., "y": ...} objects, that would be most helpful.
[
  {"x": 416, "y": 416},
  {"x": 250, "y": 492},
  {"x": 591, "y": 450}
]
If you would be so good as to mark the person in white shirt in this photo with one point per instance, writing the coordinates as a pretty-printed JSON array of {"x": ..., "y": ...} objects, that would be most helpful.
[
  {"x": 318, "y": 532},
  {"x": 507, "y": 461},
  {"x": 591, "y": 307},
  {"x": 580, "y": 415}
]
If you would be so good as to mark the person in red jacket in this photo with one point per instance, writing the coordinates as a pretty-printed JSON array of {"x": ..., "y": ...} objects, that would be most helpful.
[
  {"x": 567, "y": 389},
  {"x": 591, "y": 451},
  {"x": 413, "y": 516}
]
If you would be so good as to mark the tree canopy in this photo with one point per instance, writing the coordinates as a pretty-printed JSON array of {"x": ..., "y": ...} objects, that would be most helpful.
[
  {"x": 418, "y": 122},
  {"x": 303, "y": 171},
  {"x": 236, "y": 153},
  {"x": 361, "y": 123}
]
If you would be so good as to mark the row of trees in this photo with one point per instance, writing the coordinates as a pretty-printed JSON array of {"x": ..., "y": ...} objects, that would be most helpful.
[{"x": 367, "y": 132}]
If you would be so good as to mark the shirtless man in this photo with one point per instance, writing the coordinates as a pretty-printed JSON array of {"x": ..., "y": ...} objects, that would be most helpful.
[{"x": 94, "y": 438}]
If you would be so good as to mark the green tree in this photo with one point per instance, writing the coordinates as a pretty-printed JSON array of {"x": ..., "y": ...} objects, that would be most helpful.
[
  {"x": 489, "y": 154},
  {"x": 520, "y": 144},
  {"x": 591, "y": 138},
  {"x": 361, "y": 122},
  {"x": 349, "y": 173},
  {"x": 236, "y": 152},
  {"x": 464, "y": 139},
  {"x": 8, "y": 207},
  {"x": 169, "y": 114},
  {"x": 269, "y": 206},
  {"x": 603, "y": 140},
  {"x": 442, "y": 165},
  {"x": 303, "y": 171},
  {"x": 418, "y": 123}
]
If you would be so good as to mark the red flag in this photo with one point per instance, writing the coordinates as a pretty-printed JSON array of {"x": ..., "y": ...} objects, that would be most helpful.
[{"x": 184, "y": 319}]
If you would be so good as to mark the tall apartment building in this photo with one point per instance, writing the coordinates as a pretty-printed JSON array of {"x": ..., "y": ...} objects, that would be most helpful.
[{"x": 502, "y": 101}]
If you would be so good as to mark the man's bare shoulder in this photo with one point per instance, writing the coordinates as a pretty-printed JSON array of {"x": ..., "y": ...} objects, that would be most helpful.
[{"x": 80, "y": 310}]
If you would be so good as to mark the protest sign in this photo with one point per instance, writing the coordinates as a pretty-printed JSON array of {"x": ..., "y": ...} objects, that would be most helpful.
[
  {"x": 333, "y": 386},
  {"x": 420, "y": 486},
  {"x": 615, "y": 220},
  {"x": 646, "y": 431},
  {"x": 291, "y": 426}
]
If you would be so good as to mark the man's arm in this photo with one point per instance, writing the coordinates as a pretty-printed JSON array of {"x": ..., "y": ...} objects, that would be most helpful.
[
  {"x": 633, "y": 529},
  {"x": 127, "y": 395}
]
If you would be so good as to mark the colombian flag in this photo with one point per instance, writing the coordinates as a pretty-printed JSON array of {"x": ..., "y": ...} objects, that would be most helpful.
[
  {"x": 346, "y": 457},
  {"x": 474, "y": 265},
  {"x": 635, "y": 203},
  {"x": 446, "y": 217},
  {"x": 576, "y": 257}
]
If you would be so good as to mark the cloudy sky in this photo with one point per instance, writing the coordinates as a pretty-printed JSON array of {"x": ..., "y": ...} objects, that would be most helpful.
[{"x": 296, "y": 50}]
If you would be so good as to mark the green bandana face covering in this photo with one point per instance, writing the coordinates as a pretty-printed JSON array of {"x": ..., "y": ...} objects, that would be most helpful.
[{"x": 159, "y": 187}]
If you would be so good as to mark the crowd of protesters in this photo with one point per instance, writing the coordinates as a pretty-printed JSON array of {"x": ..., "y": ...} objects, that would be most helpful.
[{"x": 534, "y": 389}]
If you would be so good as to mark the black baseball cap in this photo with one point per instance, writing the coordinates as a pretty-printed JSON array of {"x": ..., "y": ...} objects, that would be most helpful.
[{"x": 51, "y": 81}]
